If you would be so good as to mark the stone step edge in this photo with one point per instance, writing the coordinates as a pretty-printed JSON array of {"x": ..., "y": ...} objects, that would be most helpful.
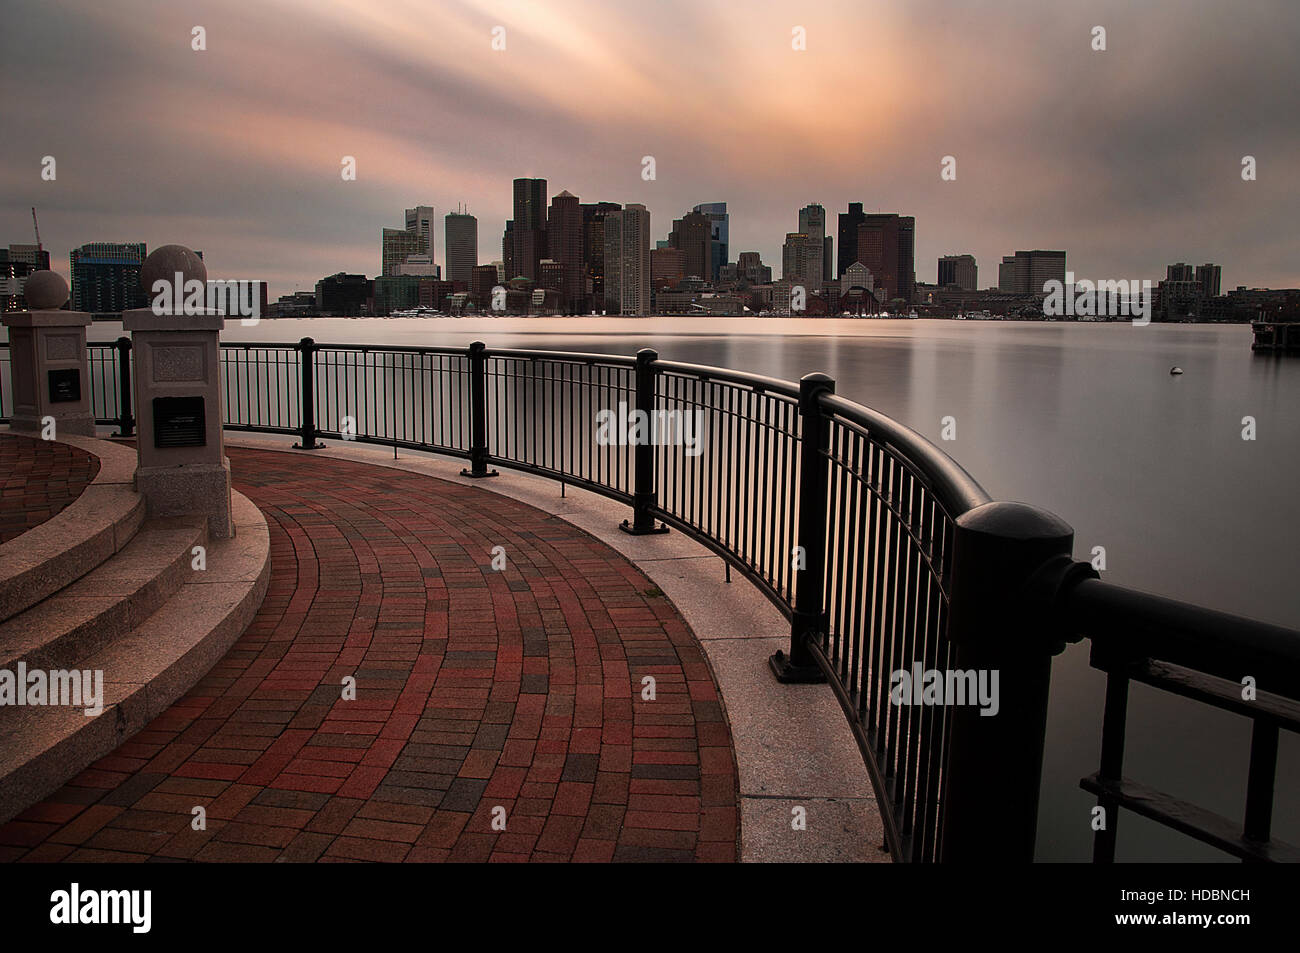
[
  {"x": 84, "y": 534},
  {"x": 41, "y": 749},
  {"x": 108, "y": 601}
]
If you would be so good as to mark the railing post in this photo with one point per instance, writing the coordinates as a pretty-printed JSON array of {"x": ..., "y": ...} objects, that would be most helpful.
[
  {"x": 644, "y": 497},
  {"x": 307, "y": 397},
  {"x": 125, "y": 417},
  {"x": 478, "y": 451},
  {"x": 1004, "y": 558},
  {"x": 809, "y": 619}
]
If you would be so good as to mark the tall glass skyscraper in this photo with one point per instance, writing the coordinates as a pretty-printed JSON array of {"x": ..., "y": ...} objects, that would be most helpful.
[{"x": 716, "y": 213}]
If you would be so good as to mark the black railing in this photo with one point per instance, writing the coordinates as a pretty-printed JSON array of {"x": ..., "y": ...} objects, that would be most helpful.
[{"x": 884, "y": 554}]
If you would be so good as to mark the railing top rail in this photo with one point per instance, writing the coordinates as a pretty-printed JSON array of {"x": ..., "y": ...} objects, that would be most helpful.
[
  {"x": 709, "y": 373},
  {"x": 1131, "y": 622},
  {"x": 364, "y": 348},
  {"x": 955, "y": 488},
  {"x": 577, "y": 357}
]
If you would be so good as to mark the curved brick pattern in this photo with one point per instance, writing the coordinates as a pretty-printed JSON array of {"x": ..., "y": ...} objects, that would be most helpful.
[
  {"x": 38, "y": 478},
  {"x": 475, "y": 689}
]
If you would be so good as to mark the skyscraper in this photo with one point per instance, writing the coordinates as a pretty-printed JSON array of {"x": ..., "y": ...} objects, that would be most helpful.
[
  {"x": 801, "y": 260},
  {"x": 627, "y": 260},
  {"x": 812, "y": 222},
  {"x": 886, "y": 244},
  {"x": 720, "y": 222},
  {"x": 848, "y": 247},
  {"x": 419, "y": 220},
  {"x": 398, "y": 244},
  {"x": 593, "y": 249},
  {"x": 529, "y": 228},
  {"x": 106, "y": 277},
  {"x": 462, "y": 246},
  {"x": 564, "y": 243},
  {"x": 693, "y": 234}
]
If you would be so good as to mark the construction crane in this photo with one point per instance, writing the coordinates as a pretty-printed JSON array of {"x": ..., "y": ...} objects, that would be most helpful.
[{"x": 37, "y": 227}]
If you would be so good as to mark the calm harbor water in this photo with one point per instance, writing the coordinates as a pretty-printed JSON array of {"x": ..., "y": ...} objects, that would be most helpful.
[{"x": 1082, "y": 419}]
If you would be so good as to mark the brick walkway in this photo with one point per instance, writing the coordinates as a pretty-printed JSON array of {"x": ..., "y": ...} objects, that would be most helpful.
[
  {"x": 475, "y": 690},
  {"x": 38, "y": 478}
]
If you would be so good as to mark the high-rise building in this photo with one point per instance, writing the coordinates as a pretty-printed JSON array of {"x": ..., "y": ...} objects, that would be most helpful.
[
  {"x": 106, "y": 277},
  {"x": 528, "y": 228},
  {"x": 1209, "y": 276},
  {"x": 886, "y": 244},
  {"x": 750, "y": 269},
  {"x": 959, "y": 270},
  {"x": 564, "y": 242},
  {"x": 593, "y": 249},
  {"x": 1179, "y": 272},
  {"x": 802, "y": 259},
  {"x": 17, "y": 262},
  {"x": 693, "y": 234},
  {"x": 848, "y": 237},
  {"x": 461, "y": 241},
  {"x": 1026, "y": 272},
  {"x": 398, "y": 245},
  {"x": 627, "y": 260},
  {"x": 720, "y": 225},
  {"x": 420, "y": 221},
  {"x": 812, "y": 222}
]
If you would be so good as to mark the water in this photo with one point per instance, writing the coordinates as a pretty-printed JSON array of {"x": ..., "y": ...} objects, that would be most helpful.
[{"x": 1084, "y": 420}]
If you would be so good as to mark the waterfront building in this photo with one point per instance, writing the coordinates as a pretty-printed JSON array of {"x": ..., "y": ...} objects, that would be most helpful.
[
  {"x": 483, "y": 279},
  {"x": 667, "y": 267},
  {"x": 958, "y": 270},
  {"x": 693, "y": 235},
  {"x": 527, "y": 229},
  {"x": 887, "y": 244},
  {"x": 564, "y": 244},
  {"x": 343, "y": 295},
  {"x": 1026, "y": 272},
  {"x": 812, "y": 222},
  {"x": 106, "y": 277},
  {"x": 1208, "y": 276},
  {"x": 419, "y": 221},
  {"x": 593, "y": 250},
  {"x": 720, "y": 226},
  {"x": 848, "y": 237},
  {"x": 398, "y": 244},
  {"x": 461, "y": 242},
  {"x": 627, "y": 260}
]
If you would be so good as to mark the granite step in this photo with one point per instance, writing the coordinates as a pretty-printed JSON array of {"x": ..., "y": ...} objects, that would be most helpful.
[
  {"x": 144, "y": 668},
  {"x": 109, "y": 601},
  {"x": 73, "y": 542}
]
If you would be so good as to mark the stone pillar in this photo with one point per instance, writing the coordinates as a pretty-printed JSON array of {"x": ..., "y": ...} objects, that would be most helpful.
[
  {"x": 47, "y": 352},
  {"x": 182, "y": 461}
]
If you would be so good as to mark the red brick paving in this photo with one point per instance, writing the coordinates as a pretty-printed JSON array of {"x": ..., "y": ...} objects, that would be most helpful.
[
  {"x": 476, "y": 689},
  {"x": 38, "y": 478}
]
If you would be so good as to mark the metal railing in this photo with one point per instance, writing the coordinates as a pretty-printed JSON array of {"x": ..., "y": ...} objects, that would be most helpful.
[{"x": 884, "y": 554}]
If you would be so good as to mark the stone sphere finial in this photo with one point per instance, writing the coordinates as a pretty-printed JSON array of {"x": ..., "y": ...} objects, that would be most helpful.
[
  {"x": 166, "y": 261},
  {"x": 45, "y": 291}
]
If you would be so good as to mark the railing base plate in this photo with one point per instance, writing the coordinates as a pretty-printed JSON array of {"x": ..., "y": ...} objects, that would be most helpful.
[
  {"x": 470, "y": 473},
  {"x": 787, "y": 673},
  {"x": 315, "y": 446},
  {"x": 631, "y": 530}
]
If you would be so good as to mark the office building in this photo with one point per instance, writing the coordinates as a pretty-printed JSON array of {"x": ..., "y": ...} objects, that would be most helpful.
[
  {"x": 527, "y": 229},
  {"x": 593, "y": 250},
  {"x": 343, "y": 295},
  {"x": 959, "y": 270},
  {"x": 1026, "y": 272},
  {"x": 564, "y": 244},
  {"x": 719, "y": 228},
  {"x": 461, "y": 242},
  {"x": 627, "y": 260},
  {"x": 848, "y": 237},
  {"x": 398, "y": 245}
]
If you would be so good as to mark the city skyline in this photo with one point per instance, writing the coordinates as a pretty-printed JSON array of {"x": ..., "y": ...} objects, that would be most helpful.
[{"x": 251, "y": 173}]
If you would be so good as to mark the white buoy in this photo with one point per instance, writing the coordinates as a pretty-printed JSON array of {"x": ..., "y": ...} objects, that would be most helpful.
[{"x": 1175, "y": 369}]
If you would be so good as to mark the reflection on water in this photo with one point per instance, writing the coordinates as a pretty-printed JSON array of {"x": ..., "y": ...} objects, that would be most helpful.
[{"x": 1082, "y": 419}]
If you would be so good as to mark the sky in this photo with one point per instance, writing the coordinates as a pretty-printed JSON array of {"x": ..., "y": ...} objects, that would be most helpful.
[{"x": 1128, "y": 158}]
